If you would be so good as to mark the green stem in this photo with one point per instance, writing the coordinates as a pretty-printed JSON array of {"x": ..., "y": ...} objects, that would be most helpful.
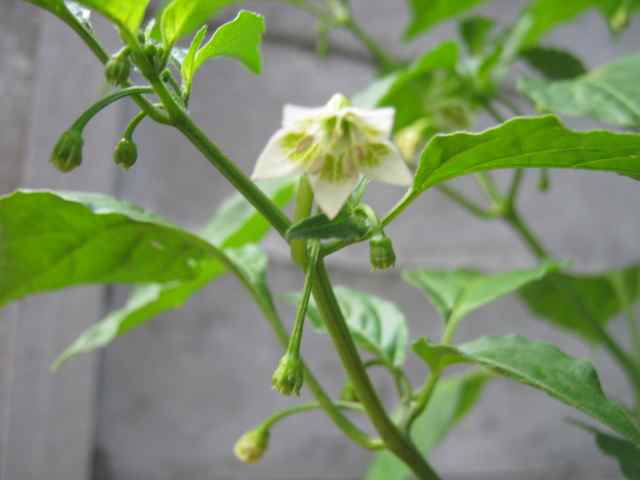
[
  {"x": 464, "y": 202},
  {"x": 303, "y": 408},
  {"x": 227, "y": 168},
  {"x": 488, "y": 184},
  {"x": 97, "y": 107},
  {"x": 425, "y": 394},
  {"x": 268, "y": 309},
  {"x": 133, "y": 124},
  {"x": 386, "y": 63},
  {"x": 301, "y": 312},
  {"x": 304, "y": 204},
  {"x": 514, "y": 188},
  {"x": 337, "y": 328}
]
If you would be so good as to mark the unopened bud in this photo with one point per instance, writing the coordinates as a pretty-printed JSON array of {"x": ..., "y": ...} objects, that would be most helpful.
[
  {"x": 289, "y": 376},
  {"x": 126, "y": 153},
  {"x": 251, "y": 446},
  {"x": 381, "y": 254},
  {"x": 118, "y": 68},
  {"x": 619, "y": 21},
  {"x": 67, "y": 153}
]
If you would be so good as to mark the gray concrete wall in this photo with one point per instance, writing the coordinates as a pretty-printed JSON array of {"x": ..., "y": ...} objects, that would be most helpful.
[{"x": 173, "y": 396}]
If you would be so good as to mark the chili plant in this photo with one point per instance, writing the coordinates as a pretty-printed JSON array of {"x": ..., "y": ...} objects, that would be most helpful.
[{"x": 409, "y": 127}]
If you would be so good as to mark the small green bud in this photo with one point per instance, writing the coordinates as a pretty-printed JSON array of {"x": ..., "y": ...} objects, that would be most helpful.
[
  {"x": 381, "y": 254},
  {"x": 289, "y": 376},
  {"x": 619, "y": 21},
  {"x": 251, "y": 446},
  {"x": 126, "y": 153},
  {"x": 67, "y": 153},
  {"x": 118, "y": 68}
]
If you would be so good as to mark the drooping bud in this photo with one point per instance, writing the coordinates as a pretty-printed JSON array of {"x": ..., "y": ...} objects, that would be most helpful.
[
  {"x": 251, "y": 446},
  {"x": 118, "y": 68},
  {"x": 544, "y": 181},
  {"x": 413, "y": 137},
  {"x": 381, "y": 254},
  {"x": 289, "y": 376},
  {"x": 619, "y": 21},
  {"x": 67, "y": 153},
  {"x": 126, "y": 153}
]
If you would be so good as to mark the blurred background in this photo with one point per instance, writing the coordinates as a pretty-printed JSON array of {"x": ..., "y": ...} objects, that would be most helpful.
[{"x": 168, "y": 400}]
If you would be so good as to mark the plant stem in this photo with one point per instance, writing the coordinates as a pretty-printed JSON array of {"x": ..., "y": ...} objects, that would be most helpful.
[
  {"x": 303, "y": 408},
  {"x": 304, "y": 204},
  {"x": 133, "y": 124},
  {"x": 393, "y": 438},
  {"x": 227, "y": 168},
  {"x": 104, "y": 102},
  {"x": 268, "y": 309},
  {"x": 460, "y": 199},
  {"x": 63, "y": 13},
  {"x": 386, "y": 63}
]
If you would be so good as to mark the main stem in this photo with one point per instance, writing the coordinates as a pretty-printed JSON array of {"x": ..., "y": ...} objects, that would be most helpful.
[{"x": 396, "y": 441}]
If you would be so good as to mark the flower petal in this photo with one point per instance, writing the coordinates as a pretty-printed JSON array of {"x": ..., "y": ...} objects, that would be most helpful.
[
  {"x": 273, "y": 162},
  {"x": 380, "y": 118},
  {"x": 292, "y": 114},
  {"x": 331, "y": 196},
  {"x": 392, "y": 169}
]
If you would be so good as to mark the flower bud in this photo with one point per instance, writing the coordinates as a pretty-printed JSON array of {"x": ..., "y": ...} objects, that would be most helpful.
[
  {"x": 289, "y": 376},
  {"x": 118, "y": 68},
  {"x": 126, "y": 153},
  {"x": 381, "y": 254},
  {"x": 251, "y": 446},
  {"x": 619, "y": 21},
  {"x": 67, "y": 153}
]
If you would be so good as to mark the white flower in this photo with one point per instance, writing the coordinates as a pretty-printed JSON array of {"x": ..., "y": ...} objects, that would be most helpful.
[{"x": 334, "y": 145}]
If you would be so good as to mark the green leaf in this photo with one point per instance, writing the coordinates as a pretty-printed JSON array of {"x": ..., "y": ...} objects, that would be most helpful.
[
  {"x": 543, "y": 15},
  {"x": 525, "y": 142},
  {"x": 128, "y": 14},
  {"x": 452, "y": 400},
  {"x": 53, "y": 240},
  {"x": 377, "y": 325},
  {"x": 345, "y": 225},
  {"x": 181, "y": 17},
  {"x": 240, "y": 39},
  {"x": 554, "y": 63},
  {"x": 609, "y": 94},
  {"x": 456, "y": 293},
  {"x": 235, "y": 226},
  {"x": 187, "y": 63},
  {"x": 542, "y": 366},
  {"x": 567, "y": 300},
  {"x": 425, "y": 14}
]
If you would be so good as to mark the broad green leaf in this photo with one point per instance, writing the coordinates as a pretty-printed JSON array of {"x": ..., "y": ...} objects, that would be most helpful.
[
  {"x": 542, "y": 366},
  {"x": 53, "y": 240},
  {"x": 452, "y": 400},
  {"x": 609, "y": 94},
  {"x": 128, "y": 14},
  {"x": 554, "y": 63},
  {"x": 240, "y": 39},
  {"x": 181, "y": 17},
  {"x": 187, "y": 62},
  {"x": 575, "y": 301},
  {"x": 456, "y": 293},
  {"x": 425, "y": 14},
  {"x": 231, "y": 232},
  {"x": 377, "y": 325},
  {"x": 344, "y": 226},
  {"x": 525, "y": 142}
]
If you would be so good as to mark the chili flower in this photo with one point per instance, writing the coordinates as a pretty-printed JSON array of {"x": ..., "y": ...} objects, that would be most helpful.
[{"x": 334, "y": 145}]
